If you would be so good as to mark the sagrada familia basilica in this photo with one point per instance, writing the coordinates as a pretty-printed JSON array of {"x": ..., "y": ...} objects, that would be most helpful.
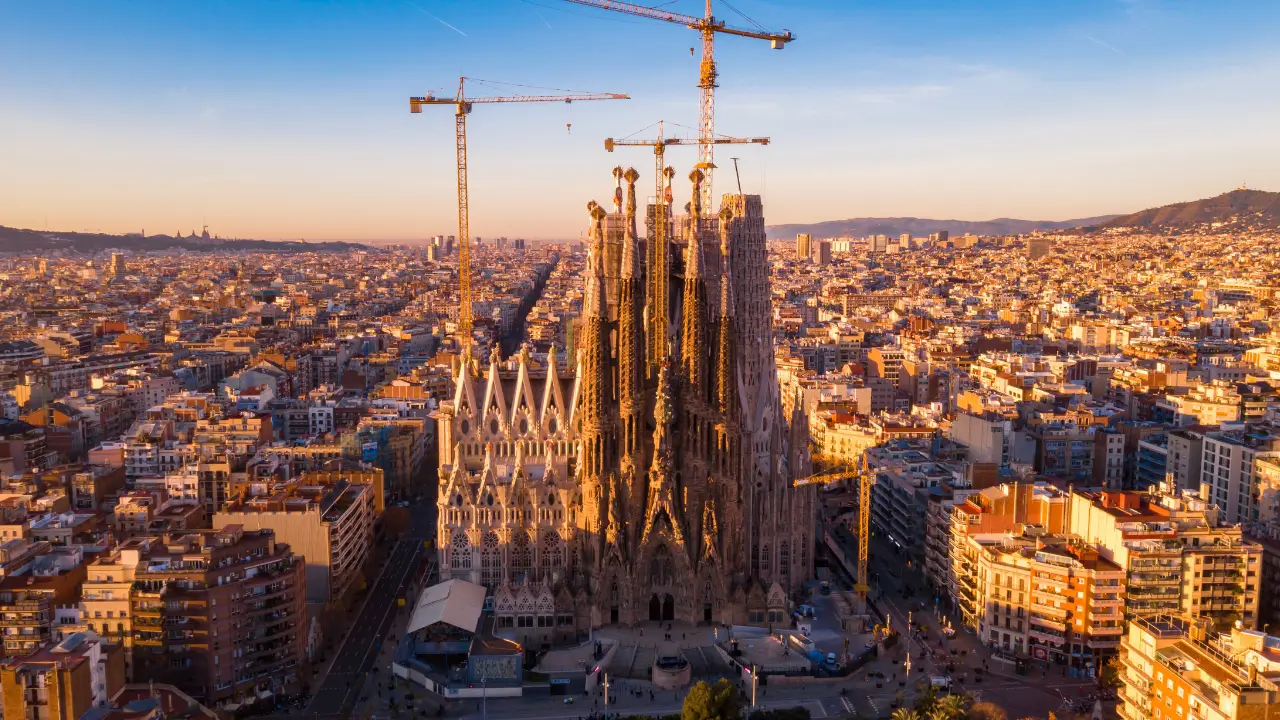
[{"x": 651, "y": 474}]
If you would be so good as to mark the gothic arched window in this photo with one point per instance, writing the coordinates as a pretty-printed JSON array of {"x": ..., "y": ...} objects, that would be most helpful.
[
  {"x": 784, "y": 559},
  {"x": 461, "y": 551},
  {"x": 552, "y": 551},
  {"x": 661, "y": 567},
  {"x": 764, "y": 560},
  {"x": 521, "y": 555},
  {"x": 490, "y": 560}
]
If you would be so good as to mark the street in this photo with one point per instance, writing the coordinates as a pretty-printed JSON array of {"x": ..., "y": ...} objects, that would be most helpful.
[
  {"x": 345, "y": 683},
  {"x": 356, "y": 652}
]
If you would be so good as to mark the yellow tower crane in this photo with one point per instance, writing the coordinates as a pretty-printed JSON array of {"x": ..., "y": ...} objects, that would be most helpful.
[
  {"x": 707, "y": 26},
  {"x": 864, "y": 477},
  {"x": 657, "y": 249},
  {"x": 462, "y": 107}
]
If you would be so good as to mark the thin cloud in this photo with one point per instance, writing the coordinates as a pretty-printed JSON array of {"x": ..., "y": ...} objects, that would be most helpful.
[
  {"x": 433, "y": 17},
  {"x": 1108, "y": 46},
  {"x": 544, "y": 20}
]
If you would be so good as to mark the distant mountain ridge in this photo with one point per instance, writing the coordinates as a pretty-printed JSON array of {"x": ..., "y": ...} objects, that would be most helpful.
[
  {"x": 922, "y": 227},
  {"x": 16, "y": 240},
  {"x": 1229, "y": 212}
]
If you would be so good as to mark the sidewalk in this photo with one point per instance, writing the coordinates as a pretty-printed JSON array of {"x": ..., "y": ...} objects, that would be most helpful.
[{"x": 382, "y": 694}]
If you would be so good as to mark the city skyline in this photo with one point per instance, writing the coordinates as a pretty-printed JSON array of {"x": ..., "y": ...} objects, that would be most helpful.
[{"x": 290, "y": 121}]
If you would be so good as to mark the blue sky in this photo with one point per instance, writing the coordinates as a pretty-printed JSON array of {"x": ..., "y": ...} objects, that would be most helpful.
[{"x": 289, "y": 118}]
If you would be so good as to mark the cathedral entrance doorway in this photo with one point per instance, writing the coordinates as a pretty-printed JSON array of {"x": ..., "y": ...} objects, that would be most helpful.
[
  {"x": 613, "y": 615},
  {"x": 706, "y": 612},
  {"x": 662, "y": 608}
]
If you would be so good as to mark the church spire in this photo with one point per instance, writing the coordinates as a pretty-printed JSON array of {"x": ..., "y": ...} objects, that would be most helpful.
[
  {"x": 593, "y": 303},
  {"x": 693, "y": 341},
  {"x": 630, "y": 331},
  {"x": 593, "y": 402},
  {"x": 726, "y": 372}
]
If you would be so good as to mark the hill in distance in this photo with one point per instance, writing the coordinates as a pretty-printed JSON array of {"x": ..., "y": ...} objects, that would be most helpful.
[
  {"x": 1234, "y": 211},
  {"x": 922, "y": 227},
  {"x": 16, "y": 240}
]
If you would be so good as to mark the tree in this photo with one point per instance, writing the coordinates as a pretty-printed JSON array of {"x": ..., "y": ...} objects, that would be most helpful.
[
  {"x": 712, "y": 702},
  {"x": 953, "y": 706},
  {"x": 1109, "y": 676},
  {"x": 906, "y": 714},
  {"x": 987, "y": 711},
  {"x": 926, "y": 700}
]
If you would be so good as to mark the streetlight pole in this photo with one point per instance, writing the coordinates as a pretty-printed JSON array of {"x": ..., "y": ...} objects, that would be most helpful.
[
  {"x": 606, "y": 692},
  {"x": 484, "y": 696}
]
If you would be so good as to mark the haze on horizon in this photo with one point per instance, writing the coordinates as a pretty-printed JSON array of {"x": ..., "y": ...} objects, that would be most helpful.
[{"x": 290, "y": 119}]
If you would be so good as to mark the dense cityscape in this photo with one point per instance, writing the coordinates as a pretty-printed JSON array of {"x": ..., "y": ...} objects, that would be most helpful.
[{"x": 684, "y": 464}]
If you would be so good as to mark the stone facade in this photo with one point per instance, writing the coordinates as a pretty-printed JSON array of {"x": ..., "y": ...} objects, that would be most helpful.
[{"x": 615, "y": 489}]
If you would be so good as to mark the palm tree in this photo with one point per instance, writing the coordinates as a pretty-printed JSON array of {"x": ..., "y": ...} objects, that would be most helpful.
[
  {"x": 906, "y": 714},
  {"x": 927, "y": 699},
  {"x": 953, "y": 706}
]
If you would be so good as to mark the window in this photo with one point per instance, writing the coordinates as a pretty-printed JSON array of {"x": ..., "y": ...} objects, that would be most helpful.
[
  {"x": 661, "y": 567},
  {"x": 552, "y": 552},
  {"x": 460, "y": 551},
  {"x": 490, "y": 560},
  {"x": 521, "y": 555}
]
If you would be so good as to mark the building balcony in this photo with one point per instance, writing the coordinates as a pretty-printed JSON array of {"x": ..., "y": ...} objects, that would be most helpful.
[
  {"x": 1156, "y": 592},
  {"x": 1049, "y": 611},
  {"x": 1046, "y": 636},
  {"x": 1154, "y": 578},
  {"x": 1037, "y": 620}
]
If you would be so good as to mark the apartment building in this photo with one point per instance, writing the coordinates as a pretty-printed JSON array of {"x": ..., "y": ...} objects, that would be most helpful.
[
  {"x": 218, "y": 613},
  {"x": 30, "y": 596},
  {"x": 331, "y": 525},
  {"x": 1207, "y": 404},
  {"x": 1049, "y": 597},
  {"x": 993, "y": 513},
  {"x": 61, "y": 681},
  {"x": 886, "y": 363},
  {"x": 1185, "y": 457},
  {"x": 904, "y": 474},
  {"x": 938, "y": 567},
  {"x": 988, "y": 437},
  {"x": 1229, "y": 477},
  {"x": 105, "y": 607},
  {"x": 1173, "y": 669},
  {"x": 1179, "y": 558}
]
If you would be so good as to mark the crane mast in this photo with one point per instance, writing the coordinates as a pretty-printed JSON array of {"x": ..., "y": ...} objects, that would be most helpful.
[
  {"x": 462, "y": 107},
  {"x": 658, "y": 244},
  {"x": 708, "y": 75},
  {"x": 861, "y": 472}
]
